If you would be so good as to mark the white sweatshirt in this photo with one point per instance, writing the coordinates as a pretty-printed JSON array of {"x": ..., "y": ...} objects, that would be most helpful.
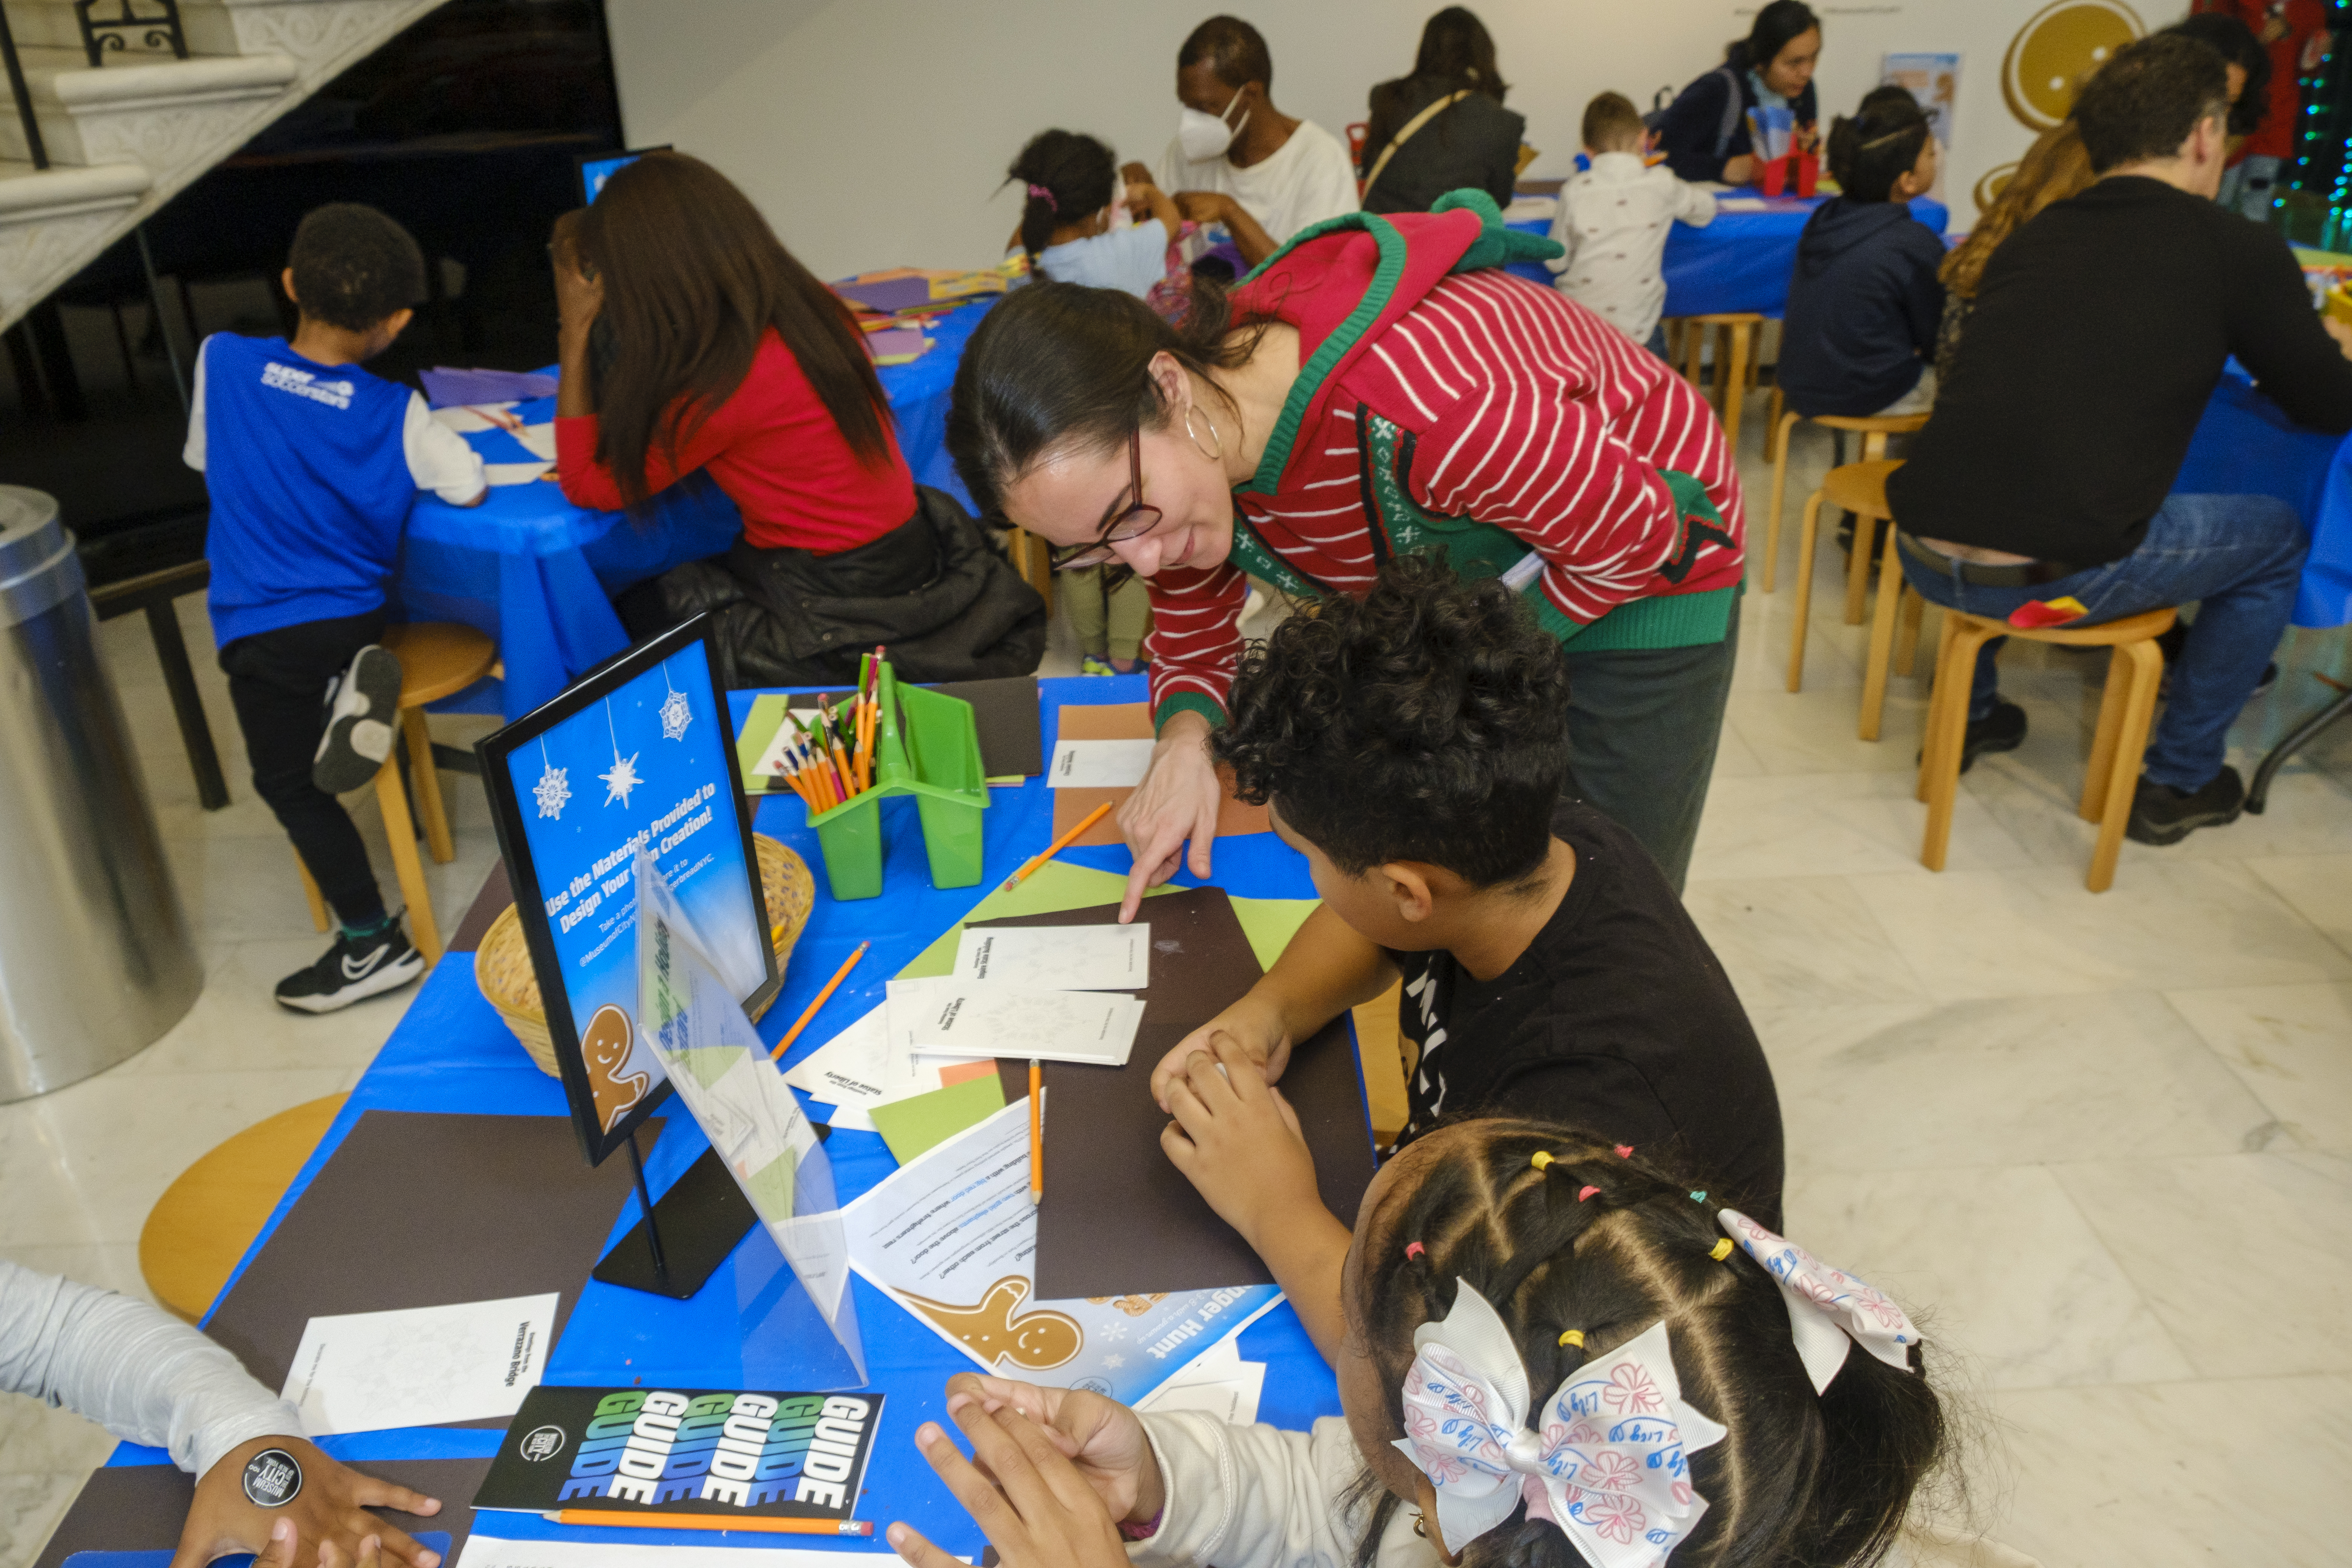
[{"x": 1257, "y": 1497}]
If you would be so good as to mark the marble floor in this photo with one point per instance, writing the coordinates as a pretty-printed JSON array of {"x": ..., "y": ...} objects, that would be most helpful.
[{"x": 2098, "y": 1143}]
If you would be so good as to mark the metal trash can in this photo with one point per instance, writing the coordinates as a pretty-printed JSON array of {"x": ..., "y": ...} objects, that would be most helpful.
[{"x": 96, "y": 961}]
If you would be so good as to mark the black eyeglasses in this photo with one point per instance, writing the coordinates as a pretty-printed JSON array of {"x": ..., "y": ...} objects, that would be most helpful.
[{"x": 1136, "y": 520}]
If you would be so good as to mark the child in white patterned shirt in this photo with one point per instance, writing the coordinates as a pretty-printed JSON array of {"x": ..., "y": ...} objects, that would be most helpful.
[{"x": 1613, "y": 221}]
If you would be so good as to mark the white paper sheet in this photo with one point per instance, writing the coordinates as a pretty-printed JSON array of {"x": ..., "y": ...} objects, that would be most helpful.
[
  {"x": 1064, "y": 958},
  {"x": 516, "y": 473},
  {"x": 419, "y": 1366},
  {"x": 856, "y": 1071},
  {"x": 1099, "y": 764},
  {"x": 981, "y": 1018},
  {"x": 490, "y": 1552},
  {"x": 469, "y": 417},
  {"x": 1218, "y": 1382}
]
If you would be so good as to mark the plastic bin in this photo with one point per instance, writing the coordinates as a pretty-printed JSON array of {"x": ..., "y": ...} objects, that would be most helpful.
[{"x": 934, "y": 757}]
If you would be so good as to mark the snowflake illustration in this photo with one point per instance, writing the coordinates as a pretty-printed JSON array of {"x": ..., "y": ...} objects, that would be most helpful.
[
  {"x": 1114, "y": 1361},
  {"x": 676, "y": 715},
  {"x": 551, "y": 791},
  {"x": 621, "y": 780}
]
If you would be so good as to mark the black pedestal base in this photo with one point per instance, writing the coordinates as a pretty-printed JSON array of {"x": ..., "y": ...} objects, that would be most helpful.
[{"x": 699, "y": 1219}]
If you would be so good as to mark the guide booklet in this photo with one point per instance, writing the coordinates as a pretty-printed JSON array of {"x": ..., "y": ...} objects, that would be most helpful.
[{"x": 687, "y": 1450}]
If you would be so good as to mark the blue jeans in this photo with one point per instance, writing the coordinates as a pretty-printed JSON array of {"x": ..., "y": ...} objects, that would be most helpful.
[{"x": 2239, "y": 557}]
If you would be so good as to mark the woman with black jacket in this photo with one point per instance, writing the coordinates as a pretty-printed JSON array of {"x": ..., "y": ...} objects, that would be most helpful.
[
  {"x": 1704, "y": 132},
  {"x": 1468, "y": 139}
]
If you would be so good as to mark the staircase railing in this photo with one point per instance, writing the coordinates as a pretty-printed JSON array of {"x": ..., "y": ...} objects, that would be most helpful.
[
  {"x": 22, "y": 95},
  {"x": 100, "y": 34}
]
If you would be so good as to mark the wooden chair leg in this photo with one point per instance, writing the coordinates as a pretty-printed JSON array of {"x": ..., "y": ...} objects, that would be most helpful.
[
  {"x": 394, "y": 803},
  {"x": 1778, "y": 435},
  {"x": 311, "y": 891},
  {"x": 2147, "y": 666},
  {"x": 1805, "y": 538},
  {"x": 1940, "y": 691},
  {"x": 1857, "y": 568},
  {"x": 2113, "y": 702},
  {"x": 1881, "y": 640},
  {"x": 1907, "y": 641},
  {"x": 1695, "y": 355},
  {"x": 1735, "y": 379},
  {"x": 1943, "y": 747},
  {"x": 424, "y": 777}
]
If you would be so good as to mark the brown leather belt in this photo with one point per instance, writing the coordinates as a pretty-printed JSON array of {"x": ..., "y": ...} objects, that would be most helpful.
[{"x": 1978, "y": 573}]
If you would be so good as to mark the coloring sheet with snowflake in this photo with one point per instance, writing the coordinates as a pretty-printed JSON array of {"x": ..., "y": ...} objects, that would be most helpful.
[
  {"x": 419, "y": 1366},
  {"x": 983, "y": 1018},
  {"x": 952, "y": 1238},
  {"x": 644, "y": 765}
]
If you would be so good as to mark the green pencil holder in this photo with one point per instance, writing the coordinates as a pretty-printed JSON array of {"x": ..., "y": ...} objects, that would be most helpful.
[{"x": 934, "y": 756}]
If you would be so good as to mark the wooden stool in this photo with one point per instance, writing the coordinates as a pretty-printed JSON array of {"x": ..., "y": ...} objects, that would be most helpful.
[
  {"x": 1860, "y": 489},
  {"x": 2133, "y": 671},
  {"x": 204, "y": 1223},
  {"x": 1032, "y": 562},
  {"x": 1735, "y": 347},
  {"x": 1874, "y": 429},
  {"x": 438, "y": 659}
]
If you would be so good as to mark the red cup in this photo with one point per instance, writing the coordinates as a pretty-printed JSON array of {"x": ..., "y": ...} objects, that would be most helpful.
[
  {"x": 1776, "y": 176},
  {"x": 1808, "y": 172}
]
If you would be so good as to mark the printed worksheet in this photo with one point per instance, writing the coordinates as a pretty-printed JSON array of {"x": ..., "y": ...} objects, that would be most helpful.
[
  {"x": 946, "y": 1016},
  {"x": 419, "y": 1366},
  {"x": 1099, "y": 764},
  {"x": 952, "y": 1237},
  {"x": 1218, "y": 1382},
  {"x": 1067, "y": 958}
]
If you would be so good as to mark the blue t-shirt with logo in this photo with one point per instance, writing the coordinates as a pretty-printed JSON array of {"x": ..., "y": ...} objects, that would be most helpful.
[{"x": 310, "y": 484}]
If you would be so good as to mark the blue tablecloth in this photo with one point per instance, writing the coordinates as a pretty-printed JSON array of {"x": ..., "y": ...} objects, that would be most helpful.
[
  {"x": 2245, "y": 446},
  {"x": 1741, "y": 261},
  {"x": 450, "y": 1053},
  {"x": 538, "y": 574}
]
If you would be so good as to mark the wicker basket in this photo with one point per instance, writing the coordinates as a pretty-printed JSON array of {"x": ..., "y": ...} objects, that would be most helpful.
[{"x": 502, "y": 965}]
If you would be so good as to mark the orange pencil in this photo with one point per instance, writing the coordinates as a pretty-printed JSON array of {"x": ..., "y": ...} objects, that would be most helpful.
[
  {"x": 801, "y": 1021},
  {"x": 761, "y": 1522},
  {"x": 1063, "y": 842},
  {"x": 1036, "y": 1132}
]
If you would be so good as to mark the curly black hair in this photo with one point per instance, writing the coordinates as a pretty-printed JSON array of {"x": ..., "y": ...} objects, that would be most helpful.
[
  {"x": 1427, "y": 720},
  {"x": 353, "y": 266}
]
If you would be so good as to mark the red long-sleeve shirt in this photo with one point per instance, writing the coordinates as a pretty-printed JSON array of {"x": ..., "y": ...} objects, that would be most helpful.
[
  {"x": 1529, "y": 411},
  {"x": 773, "y": 449}
]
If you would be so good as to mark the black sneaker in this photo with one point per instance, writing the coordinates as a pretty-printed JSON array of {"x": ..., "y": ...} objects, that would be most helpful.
[
  {"x": 2002, "y": 730},
  {"x": 360, "y": 706},
  {"x": 355, "y": 968},
  {"x": 2162, "y": 815}
]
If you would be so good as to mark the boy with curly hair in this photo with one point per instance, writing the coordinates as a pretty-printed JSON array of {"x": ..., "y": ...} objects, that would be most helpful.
[
  {"x": 313, "y": 465},
  {"x": 1412, "y": 745}
]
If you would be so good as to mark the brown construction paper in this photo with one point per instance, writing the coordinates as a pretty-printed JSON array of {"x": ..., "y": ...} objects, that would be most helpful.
[
  {"x": 426, "y": 1209},
  {"x": 497, "y": 894},
  {"x": 1118, "y": 1218},
  {"x": 1131, "y": 721},
  {"x": 142, "y": 1508},
  {"x": 1003, "y": 716}
]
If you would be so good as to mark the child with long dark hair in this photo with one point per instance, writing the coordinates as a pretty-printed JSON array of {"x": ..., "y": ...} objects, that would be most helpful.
[
  {"x": 691, "y": 338},
  {"x": 1558, "y": 1355}
]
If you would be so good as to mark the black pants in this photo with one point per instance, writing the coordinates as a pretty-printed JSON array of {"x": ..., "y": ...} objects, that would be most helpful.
[{"x": 278, "y": 681}]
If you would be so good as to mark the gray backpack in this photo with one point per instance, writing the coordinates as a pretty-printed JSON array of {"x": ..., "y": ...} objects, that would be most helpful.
[{"x": 1664, "y": 99}]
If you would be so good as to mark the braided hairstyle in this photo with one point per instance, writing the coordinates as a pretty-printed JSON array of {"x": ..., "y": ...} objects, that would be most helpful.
[
  {"x": 1076, "y": 171},
  {"x": 1606, "y": 1243}
]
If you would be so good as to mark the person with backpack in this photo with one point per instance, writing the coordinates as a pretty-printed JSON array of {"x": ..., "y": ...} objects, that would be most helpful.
[
  {"x": 1444, "y": 128},
  {"x": 1704, "y": 132}
]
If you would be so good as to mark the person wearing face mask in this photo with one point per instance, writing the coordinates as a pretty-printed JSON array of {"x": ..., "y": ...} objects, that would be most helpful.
[
  {"x": 1380, "y": 387},
  {"x": 1239, "y": 161},
  {"x": 1703, "y": 133}
]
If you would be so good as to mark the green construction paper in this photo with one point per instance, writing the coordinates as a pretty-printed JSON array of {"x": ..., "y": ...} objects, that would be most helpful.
[
  {"x": 1270, "y": 923},
  {"x": 759, "y": 727},
  {"x": 1051, "y": 888},
  {"x": 922, "y": 1123}
]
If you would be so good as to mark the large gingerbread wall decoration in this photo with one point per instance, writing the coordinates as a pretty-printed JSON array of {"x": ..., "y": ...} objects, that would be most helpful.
[
  {"x": 2059, "y": 46},
  {"x": 996, "y": 1330}
]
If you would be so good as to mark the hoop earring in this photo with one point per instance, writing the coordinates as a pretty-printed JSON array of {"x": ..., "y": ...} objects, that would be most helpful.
[{"x": 1214, "y": 455}]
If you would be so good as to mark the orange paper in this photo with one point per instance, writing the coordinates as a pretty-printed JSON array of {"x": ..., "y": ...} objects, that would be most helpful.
[{"x": 1132, "y": 721}]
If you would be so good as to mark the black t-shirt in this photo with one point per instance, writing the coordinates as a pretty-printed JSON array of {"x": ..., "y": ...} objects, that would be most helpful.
[
  {"x": 2098, "y": 332},
  {"x": 1617, "y": 1020}
]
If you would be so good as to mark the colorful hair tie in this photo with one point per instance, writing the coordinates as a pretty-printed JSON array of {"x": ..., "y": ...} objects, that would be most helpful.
[
  {"x": 1413, "y": 1249},
  {"x": 1625, "y": 1151},
  {"x": 1584, "y": 1192},
  {"x": 1573, "y": 1337},
  {"x": 1040, "y": 193},
  {"x": 1698, "y": 1198},
  {"x": 1720, "y": 1250},
  {"x": 1540, "y": 1161}
]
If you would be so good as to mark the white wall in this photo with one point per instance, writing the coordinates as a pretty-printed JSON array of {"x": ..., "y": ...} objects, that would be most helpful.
[{"x": 876, "y": 132}]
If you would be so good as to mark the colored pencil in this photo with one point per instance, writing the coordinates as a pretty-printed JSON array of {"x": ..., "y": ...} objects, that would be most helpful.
[
  {"x": 1063, "y": 842},
  {"x": 801, "y": 1021},
  {"x": 614, "y": 1518},
  {"x": 1036, "y": 1132}
]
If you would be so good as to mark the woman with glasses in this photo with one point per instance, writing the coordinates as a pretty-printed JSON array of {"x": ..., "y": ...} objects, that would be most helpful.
[{"x": 1378, "y": 387}]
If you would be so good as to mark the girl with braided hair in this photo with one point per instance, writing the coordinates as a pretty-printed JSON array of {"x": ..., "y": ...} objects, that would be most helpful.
[{"x": 1559, "y": 1353}]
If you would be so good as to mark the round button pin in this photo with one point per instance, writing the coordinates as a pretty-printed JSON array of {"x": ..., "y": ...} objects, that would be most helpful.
[{"x": 272, "y": 1479}]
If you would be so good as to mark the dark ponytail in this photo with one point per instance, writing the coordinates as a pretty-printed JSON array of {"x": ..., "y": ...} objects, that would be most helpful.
[
  {"x": 1066, "y": 177},
  {"x": 1873, "y": 149}
]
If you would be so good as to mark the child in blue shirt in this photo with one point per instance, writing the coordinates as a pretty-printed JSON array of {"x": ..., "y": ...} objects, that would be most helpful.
[
  {"x": 1864, "y": 301},
  {"x": 312, "y": 464}
]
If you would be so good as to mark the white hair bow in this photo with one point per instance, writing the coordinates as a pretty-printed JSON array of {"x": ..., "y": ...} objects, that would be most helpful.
[
  {"x": 1604, "y": 1460},
  {"x": 1829, "y": 1311}
]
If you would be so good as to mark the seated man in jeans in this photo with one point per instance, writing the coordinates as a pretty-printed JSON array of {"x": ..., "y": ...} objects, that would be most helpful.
[{"x": 2100, "y": 330}]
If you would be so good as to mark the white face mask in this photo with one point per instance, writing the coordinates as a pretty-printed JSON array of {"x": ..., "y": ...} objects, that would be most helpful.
[{"x": 1205, "y": 136}]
